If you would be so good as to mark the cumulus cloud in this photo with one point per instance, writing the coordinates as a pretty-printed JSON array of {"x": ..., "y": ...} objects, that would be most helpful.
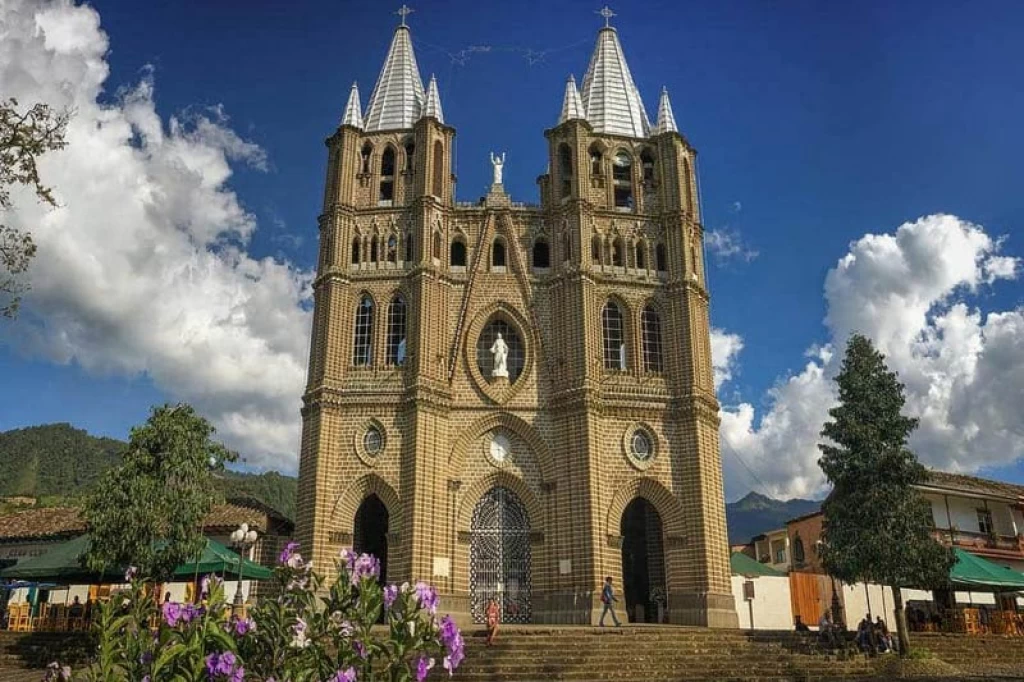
[
  {"x": 725, "y": 348},
  {"x": 909, "y": 291},
  {"x": 726, "y": 244},
  {"x": 143, "y": 268}
]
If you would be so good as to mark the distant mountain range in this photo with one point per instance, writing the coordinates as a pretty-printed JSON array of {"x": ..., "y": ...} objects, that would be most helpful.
[{"x": 57, "y": 464}]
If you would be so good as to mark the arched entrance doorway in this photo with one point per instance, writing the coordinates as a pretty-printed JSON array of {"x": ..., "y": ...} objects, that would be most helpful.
[
  {"x": 371, "y": 532},
  {"x": 499, "y": 556},
  {"x": 643, "y": 562}
]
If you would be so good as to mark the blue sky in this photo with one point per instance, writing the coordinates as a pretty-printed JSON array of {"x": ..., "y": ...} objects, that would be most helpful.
[{"x": 816, "y": 123}]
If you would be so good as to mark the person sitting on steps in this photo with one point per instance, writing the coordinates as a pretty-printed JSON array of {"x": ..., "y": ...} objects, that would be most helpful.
[
  {"x": 608, "y": 598},
  {"x": 492, "y": 614}
]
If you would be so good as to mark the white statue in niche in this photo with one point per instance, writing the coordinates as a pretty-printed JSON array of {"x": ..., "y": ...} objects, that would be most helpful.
[
  {"x": 499, "y": 349},
  {"x": 499, "y": 163}
]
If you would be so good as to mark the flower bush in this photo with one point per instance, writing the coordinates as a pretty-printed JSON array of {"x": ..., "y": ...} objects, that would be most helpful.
[{"x": 354, "y": 630}]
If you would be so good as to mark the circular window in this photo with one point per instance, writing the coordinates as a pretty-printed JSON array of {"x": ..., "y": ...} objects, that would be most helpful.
[
  {"x": 640, "y": 446},
  {"x": 499, "y": 351},
  {"x": 499, "y": 447},
  {"x": 373, "y": 441}
]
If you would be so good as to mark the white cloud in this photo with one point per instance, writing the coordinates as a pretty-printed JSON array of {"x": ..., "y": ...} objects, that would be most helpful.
[
  {"x": 143, "y": 269},
  {"x": 725, "y": 348},
  {"x": 961, "y": 366},
  {"x": 726, "y": 244}
]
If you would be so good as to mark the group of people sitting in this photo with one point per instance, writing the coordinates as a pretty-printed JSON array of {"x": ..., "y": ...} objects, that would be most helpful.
[{"x": 871, "y": 637}]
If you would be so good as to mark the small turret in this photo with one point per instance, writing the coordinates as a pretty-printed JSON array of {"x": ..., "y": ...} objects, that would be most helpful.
[
  {"x": 572, "y": 107},
  {"x": 432, "y": 108},
  {"x": 666, "y": 119},
  {"x": 353, "y": 115}
]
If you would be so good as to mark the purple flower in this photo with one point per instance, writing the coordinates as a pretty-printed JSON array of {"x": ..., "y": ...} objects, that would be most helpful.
[
  {"x": 224, "y": 664},
  {"x": 131, "y": 574},
  {"x": 453, "y": 642},
  {"x": 365, "y": 566},
  {"x": 243, "y": 625},
  {"x": 423, "y": 666},
  {"x": 286, "y": 553},
  {"x": 427, "y": 597},
  {"x": 172, "y": 613},
  {"x": 346, "y": 675},
  {"x": 360, "y": 649},
  {"x": 55, "y": 672},
  {"x": 348, "y": 559},
  {"x": 390, "y": 595}
]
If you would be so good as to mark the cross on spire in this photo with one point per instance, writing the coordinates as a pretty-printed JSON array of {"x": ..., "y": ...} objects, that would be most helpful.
[
  {"x": 403, "y": 12},
  {"x": 607, "y": 13}
]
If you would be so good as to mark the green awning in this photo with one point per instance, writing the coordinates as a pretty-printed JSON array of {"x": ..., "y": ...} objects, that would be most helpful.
[
  {"x": 64, "y": 563},
  {"x": 744, "y": 565},
  {"x": 970, "y": 570}
]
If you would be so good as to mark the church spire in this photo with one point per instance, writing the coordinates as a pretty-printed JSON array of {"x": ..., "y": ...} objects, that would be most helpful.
[
  {"x": 397, "y": 99},
  {"x": 433, "y": 103},
  {"x": 666, "y": 119},
  {"x": 609, "y": 95},
  {"x": 353, "y": 115},
  {"x": 572, "y": 107}
]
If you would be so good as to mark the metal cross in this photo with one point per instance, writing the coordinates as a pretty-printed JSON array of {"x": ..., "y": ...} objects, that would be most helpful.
[
  {"x": 607, "y": 13},
  {"x": 403, "y": 12}
]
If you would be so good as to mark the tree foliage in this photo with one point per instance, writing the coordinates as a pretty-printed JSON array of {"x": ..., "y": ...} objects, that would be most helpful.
[
  {"x": 24, "y": 137},
  {"x": 149, "y": 511}
]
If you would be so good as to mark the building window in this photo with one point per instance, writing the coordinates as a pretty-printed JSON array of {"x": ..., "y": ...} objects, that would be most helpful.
[
  {"x": 618, "y": 259},
  {"x": 640, "y": 255},
  {"x": 438, "y": 170},
  {"x": 362, "y": 351},
  {"x": 661, "y": 261},
  {"x": 622, "y": 180},
  {"x": 355, "y": 251},
  {"x": 365, "y": 154},
  {"x": 373, "y": 441},
  {"x": 396, "y": 331},
  {"x": 780, "y": 553},
  {"x": 647, "y": 166},
  {"x": 541, "y": 254},
  {"x": 410, "y": 244},
  {"x": 565, "y": 169},
  {"x": 410, "y": 155},
  {"x": 595, "y": 160},
  {"x": 498, "y": 254},
  {"x": 373, "y": 249},
  {"x": 985, "y": 522},
  {"x": 614, "y": 338},
  {"x": 387, "y": 177},
  {"x": 798, "y": 551},
  {"x": 515, "y": 359},
  {"x": 392, "y": 254},
  {"x": 651, "y": 328},
  {"x": 457, "y": 253},
  {"x": 640, "y": 446},
  {"x": 436, "y": 251},
  {"x": 595, "y": 250}
]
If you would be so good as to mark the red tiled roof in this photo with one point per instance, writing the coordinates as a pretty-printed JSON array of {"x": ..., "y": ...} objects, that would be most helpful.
[{"x": 973, "y": 484}]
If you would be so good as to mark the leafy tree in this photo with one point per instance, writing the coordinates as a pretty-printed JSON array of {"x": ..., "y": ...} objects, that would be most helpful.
[
  {"x": 23, "y": 138},
  {"x": 149, "y": 511},
  {"x": 877, "y": 525}
]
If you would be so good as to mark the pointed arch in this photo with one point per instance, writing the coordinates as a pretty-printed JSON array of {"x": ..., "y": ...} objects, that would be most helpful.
[
  {"x": 468, "y": 499},
  {"x": 391, "y": 251},
  {"x": 613, "y": 335},
  {"x": 396, "y": 341},
  {"x": 515, "y": 425},
  {"x": 667, "y": 506},
  {"x": 362, "y": 346},
  {"x": 647, "y": 167},
  {"x": 640, "y": 254},
  {"x": 373, "y": 249},
  {"x": 618, "y": 252},
  {"x": 365, "y": 155},
  {"x": 410, "y": 154},
  {"x": 622, "y": 179},
  {"x": 387, "y": 176},
  {"x": 541, "y": 253},
  {"x": 565, "y": 169},
  {"x": 343, "y": 515},
  {"x": 355, "y": 250},
  {"x": 410, "y": 247},
  {"x": 660, "y": 257},
  {"x": 498, "y": 256},
  {"x": 457, "y": 252}
]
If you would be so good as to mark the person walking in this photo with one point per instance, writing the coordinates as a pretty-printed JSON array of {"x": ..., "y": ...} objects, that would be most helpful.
[{"x": 608, "y": 598}]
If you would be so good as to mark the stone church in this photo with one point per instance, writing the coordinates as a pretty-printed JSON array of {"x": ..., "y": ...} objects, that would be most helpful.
[{"x": 584, "y": 442}]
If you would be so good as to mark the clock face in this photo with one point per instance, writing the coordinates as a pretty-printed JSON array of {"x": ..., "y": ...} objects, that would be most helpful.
[
  {"x": 500, "y": 447},
  {"x": 373, "y": 441},
  {"x": 641, "y": 446}
]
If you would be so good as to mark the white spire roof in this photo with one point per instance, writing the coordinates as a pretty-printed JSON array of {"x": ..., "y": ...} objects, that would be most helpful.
[
  {"x": 353, "y": 115},
  {"x": 397, "y": 99},
  {"x": 666, "y": 119},
  {"x": 610, "y": 97},
  {"x": 433, "y": 103},
  {"x": 572, "y": 107}
]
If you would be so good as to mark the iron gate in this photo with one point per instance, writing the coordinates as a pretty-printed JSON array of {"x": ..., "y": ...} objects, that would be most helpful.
[{"x": 500, "y": 556}]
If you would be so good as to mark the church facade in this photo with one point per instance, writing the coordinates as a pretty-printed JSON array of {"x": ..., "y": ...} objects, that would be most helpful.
[{"x": 515, "y": 401}]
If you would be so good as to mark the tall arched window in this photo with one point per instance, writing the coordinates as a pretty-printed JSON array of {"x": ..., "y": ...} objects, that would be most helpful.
[
  {"x": 436, "y": 247},
  {"x": 565, "y": 168},
  {"x": 438, "y": 184},
  {"x": 498, "y": 254},
  {"x": 387, "y": 176},
  {"x": 373, "y": 249},
  {"x": 595, "y": 160},
  {"x": 355, "y": 251},
  {"x": 410, "y": 247},
  {"x": 613, "y": 334},
  {"x": 541, "y": 254},
  {"x": 799, "y": 554},
  {"x": 650, "y": 324},
  {"x": 457, "y": 253},
  {"x": 365, "y": 155},
  {"x": 392, "y": 249},
  {"x": 595, "y": 250},
  {"x": 618, "y": 257},
  {"x": 362, "y": 349},
  {"x": 622, "y": 180},
  {"x": 661, "y": 261},
  {"x": 647, "y": 166},
  {"x": 410, "y": 154},
  {"x": 396, "y": 331},
  {"x": 640, "y": 254}
]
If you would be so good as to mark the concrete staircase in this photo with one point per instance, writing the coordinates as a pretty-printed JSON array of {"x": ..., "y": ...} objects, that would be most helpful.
[{"x": 37, "y": 649}]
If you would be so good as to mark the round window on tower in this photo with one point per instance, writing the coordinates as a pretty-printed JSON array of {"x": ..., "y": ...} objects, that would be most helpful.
[
  {"x": 373, "y": 441},
  {"x": 640, "y": 446}
]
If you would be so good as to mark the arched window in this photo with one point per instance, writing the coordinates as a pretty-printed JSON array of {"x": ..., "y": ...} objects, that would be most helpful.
[
  {"x": 355, "y": 251},
  {"x": 438, "y": 184},
  {"x": 565, "y": 169},
  {"x": 687, "y": 187},
  {"x": 498, "y": 254},
  {"x": 436, "y": 250},
  {"x": 595, "y": 250},
  {"x": 392, "y": 252},
  {"x": 410, "y": 155},
  {"x": 661, "y": 261},
  {"x": 396, "y": 331},
  {"x": 622, "y": 180},
  {"x": 617, "y": 255},
  {"x": 387, "y": 176},
  {"x": 366, "y": 153},
  {"x": 457, "y": 253},
  {"x": 595, "y": 160},
  {"x": 613, "y": 334},
  {"x": 650, "y": 324},
  {"x": 541, "y": 254},
  {"x": 799, "y": 555},
  {"x": 410, "y": 247},
  {"x": 647, "y": 166},
  {"x": 373, "y": 249},
  {"x": 640, "y": 254},
  {"x": 362, "y": 349}
]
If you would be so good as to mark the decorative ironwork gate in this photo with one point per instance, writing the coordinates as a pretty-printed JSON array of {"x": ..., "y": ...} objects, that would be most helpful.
[{"x": 500, "y": 556}]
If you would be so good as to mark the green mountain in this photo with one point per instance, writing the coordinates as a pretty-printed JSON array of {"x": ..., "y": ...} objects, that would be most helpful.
[
  {"x": 756, "y": 514},
  {"x": 57, "y": 463}
]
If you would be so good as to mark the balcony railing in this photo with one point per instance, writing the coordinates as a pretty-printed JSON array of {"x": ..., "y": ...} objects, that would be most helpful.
[{"x": 968, "y": 540}]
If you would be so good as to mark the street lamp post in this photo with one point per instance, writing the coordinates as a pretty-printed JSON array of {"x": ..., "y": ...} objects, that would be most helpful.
[{"x": 241, "y": 540}]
